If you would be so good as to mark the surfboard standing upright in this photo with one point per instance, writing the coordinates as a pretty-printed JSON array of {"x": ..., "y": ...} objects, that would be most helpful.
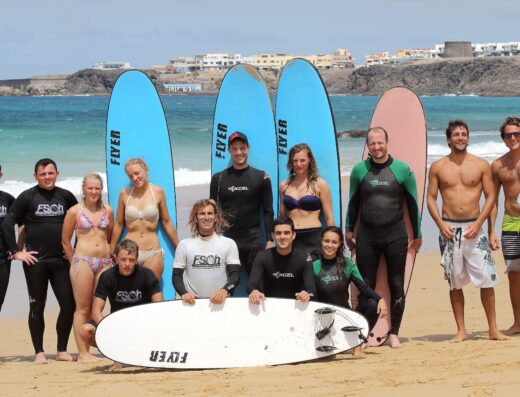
[
  {"x": 234, "y": 334},
  {"x": 136, "y": 127},
  {"x": 400, "y": 112},
  {"x": 304, "y": 115},
  {"x": 243, "y": 104}
]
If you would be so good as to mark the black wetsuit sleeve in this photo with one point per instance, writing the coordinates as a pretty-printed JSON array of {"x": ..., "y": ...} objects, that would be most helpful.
[
  {"x": 152, "y": 283},
  {"x": 267, "y": 206},
  {"x": 233, "y": 272},
  {"x": 72, "y": 200},
  {"x": 257, "y": 274},
  {"x": 178, "y": 282},
  {"x": 410, "y": 188},
  {"x": 103, "y": 287},
  {"x": 364, "y": 289},
  {"x": 354, "y": 199},
  {"x": 309, "y": 282},
  {"x": 14, "y": 216},
  {"x": 213, "y": 187}
]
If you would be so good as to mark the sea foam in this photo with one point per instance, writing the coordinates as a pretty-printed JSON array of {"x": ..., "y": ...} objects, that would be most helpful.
[{"x": 183, "y": 177}]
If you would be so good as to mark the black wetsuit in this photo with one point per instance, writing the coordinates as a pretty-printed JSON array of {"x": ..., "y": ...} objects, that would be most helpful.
[
  {"x": 332, "y": 287},
  {"x": 42, "y": 212},
  {"x": 5, "y": 265},
  {"x": 281, "y": 276},
  {"x": 245, "y": 197},
  {"x": 127, "y": 291},
  {"x": 377, "y": 193}
]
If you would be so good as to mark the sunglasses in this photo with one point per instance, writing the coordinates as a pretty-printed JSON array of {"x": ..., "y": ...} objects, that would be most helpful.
[{"x": 511, "y": 135}]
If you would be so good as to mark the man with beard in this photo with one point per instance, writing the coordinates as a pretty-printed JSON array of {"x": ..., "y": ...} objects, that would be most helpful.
[
  {"x": 242, "y": 193},
  {"x": 506, "y": 173},
  {"x": 378, "y": 187},
  {"x": 466, "y": 256}
]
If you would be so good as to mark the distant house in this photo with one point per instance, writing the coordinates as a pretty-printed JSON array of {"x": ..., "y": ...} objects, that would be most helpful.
[
  {"x": 111, "y": 65},
  {"x": 182, "y": 87},
  {"x": 186, "y": 64},
  {"x": 220, "y": 60}
]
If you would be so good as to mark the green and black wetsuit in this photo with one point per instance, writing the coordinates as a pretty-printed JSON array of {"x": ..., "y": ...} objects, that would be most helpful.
[
  {"x": 332, "y": 287},
  {"x": 377, "y": 194}
]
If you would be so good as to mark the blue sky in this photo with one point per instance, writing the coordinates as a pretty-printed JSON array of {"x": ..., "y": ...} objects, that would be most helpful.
[{"x": 63, "y": 36}]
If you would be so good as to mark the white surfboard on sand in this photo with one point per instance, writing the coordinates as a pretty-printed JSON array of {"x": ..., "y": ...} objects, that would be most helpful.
[{"x": 173, "y": 334}]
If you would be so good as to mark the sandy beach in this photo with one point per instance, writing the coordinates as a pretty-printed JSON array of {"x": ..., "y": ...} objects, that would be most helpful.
[{"x": 428, "y": 364}]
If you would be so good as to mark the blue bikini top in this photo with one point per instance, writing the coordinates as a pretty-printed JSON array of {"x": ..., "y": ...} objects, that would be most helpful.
[{"x": 308, "y": 202}]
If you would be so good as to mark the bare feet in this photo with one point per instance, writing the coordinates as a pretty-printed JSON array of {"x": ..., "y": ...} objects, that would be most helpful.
[
  {"x": 64, "y": 356},
  {"x": 88, "y": 358},
  {"x": 40, "y": 358},
  {"x": 357, "y": 352},
  {"x": 497, "y": 335},
  {"x": 513, "y": 330},
  {"x": 460, "y": 337},
  {"x": 394, "y": 341}
]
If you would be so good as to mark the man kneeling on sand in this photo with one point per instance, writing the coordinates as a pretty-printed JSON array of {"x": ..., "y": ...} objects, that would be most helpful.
[{"x": 125, "y": 285}]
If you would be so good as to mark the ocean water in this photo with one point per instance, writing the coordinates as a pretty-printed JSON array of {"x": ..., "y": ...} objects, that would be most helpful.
[{"x": 71, "y": 131}]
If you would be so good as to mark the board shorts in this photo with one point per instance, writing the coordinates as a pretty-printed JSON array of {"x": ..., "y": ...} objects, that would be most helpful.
[
  {"x": 466, "y": 260},
  {"x": 511, "y": 243}
]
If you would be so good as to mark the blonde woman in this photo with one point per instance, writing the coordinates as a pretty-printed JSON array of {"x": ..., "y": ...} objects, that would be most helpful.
[
  {"x": 141, "y": 208},
  {"x": 93, "y": 222},
  {"x": 304, "y": 196}
]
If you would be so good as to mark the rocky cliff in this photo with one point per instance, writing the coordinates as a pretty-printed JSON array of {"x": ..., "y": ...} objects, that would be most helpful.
[{"x": 482, "y": 76}]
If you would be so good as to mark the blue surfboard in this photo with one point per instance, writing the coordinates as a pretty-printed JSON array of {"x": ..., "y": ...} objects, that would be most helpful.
[
  {"x": 136, "y": 127},
  {"x": 243, "y": 104},
  {"x": 304, "y": 115}
]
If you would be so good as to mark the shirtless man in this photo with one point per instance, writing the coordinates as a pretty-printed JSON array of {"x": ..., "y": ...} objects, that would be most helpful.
[
  {"x": 506, "y": 173},
  {"x": 461, "y": 179}
]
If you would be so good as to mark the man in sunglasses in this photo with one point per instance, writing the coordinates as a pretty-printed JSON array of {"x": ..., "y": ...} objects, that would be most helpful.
[
  {"x": 506, "y": 173},
  {"x": 465, "y": 253}
]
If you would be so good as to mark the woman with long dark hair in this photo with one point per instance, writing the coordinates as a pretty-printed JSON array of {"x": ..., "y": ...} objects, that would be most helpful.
[
  {"x": 304, "y": 196},
  {"x": 334, "y": 272}
]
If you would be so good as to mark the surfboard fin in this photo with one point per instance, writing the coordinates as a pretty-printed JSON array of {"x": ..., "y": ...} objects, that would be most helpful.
[
  {"x": 325, "y": 349},
  {"x": 351, "y": 328},
  {"x": 325, "y": 310},
  {"x": 322, "y": 333}
]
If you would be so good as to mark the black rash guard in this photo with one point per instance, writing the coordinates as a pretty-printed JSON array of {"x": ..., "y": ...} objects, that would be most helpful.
[
  {"x": 42, "y": 212},
  {"x": 242, "y": 195},
  {"x": 127, "y": 291},
  {"x": 332, "y": 287},
  {"x": 377, "y": 192},
  {"x": 282, "y": 276},
  {"x": 5, "y": 265}
]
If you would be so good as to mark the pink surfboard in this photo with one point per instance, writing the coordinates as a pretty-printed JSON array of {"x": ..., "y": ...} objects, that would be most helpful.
[{"x": 400, "y": 112}]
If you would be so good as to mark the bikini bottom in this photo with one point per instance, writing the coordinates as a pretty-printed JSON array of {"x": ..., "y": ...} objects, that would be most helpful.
[{"x": 96, "y": 264}]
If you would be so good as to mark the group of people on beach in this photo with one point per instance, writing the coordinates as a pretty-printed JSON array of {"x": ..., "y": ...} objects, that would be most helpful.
[{"x": 292, "y": 256}]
